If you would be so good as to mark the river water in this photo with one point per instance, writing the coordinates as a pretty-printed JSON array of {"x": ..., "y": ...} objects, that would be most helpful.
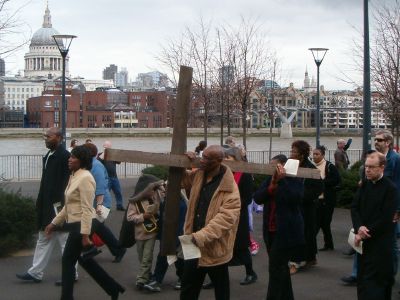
[{"x": 34, "y": 146}]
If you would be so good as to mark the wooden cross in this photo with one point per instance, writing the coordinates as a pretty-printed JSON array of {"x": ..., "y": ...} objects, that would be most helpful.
[{"x": 176, "y": 160}]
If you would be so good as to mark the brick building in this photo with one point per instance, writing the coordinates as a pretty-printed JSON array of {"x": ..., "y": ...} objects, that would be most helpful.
[{"x": 110, "y": 108}]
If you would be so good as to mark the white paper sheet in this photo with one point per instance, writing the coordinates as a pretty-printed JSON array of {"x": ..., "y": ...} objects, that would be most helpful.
[
  {"x": 104, "y": 213},
  {"x": 292, "y": 166},
  {"x": 190, "y": 250},
  {"x": 350, "y": 240},
  {"x": 171, "y": 259}
]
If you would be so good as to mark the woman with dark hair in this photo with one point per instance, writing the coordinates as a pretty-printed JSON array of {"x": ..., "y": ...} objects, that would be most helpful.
[
  {"x": 312, "y": 189},
  {"x": 76, "y": 217},
  {"x": 200, "y": 147},
  {"x": 283, "y": 226},
  {"x": 327, "y": 200},
  {"x": 241, "y": 252},
  {"x": 74, "y": 143}
]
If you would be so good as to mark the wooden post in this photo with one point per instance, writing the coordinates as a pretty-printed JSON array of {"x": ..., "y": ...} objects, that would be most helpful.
[{"x": 171, "y": 217}]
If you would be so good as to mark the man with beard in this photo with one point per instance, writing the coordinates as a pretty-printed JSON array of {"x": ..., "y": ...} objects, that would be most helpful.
[{"x": 212, "y": 220}]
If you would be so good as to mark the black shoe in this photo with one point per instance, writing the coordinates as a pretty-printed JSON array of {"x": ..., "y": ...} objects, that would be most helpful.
[
  {"x": 349, "y": 251},
  {"x": 208, "y": 285},
  {"x": 326, "y": 249},
  {"x": 59, "y": 282},
  {"x": 28, "y": 277},
  {"x": 249, "y": 279},
  {"x": 120, "y": 208},
  {"x": 349, "y": 280},
  {"x": 119, "y": 257}
]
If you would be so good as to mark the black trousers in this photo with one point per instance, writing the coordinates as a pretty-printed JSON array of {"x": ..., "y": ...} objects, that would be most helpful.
[
  {"x": 162, "y": 266},
  {"x": 370, "y": 289},
  {"x": 280, "y": 283},
  {"x": 310, "y": 225},
  {"x": 107, "y": 237},
  {"x": 193, "y": 278},
  {"x": 324, "y": 220},
  {"x": 72, "y": 252}
]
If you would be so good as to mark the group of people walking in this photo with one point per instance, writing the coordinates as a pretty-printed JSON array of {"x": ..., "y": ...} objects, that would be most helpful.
[{"x": 74, "y": 200}]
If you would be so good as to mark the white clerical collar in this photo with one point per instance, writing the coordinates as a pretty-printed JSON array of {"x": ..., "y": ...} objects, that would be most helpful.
[{"x": 375, "y": 181}]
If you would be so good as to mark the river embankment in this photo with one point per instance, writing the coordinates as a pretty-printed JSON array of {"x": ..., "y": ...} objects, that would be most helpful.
[{"x": 168, "y": 132}]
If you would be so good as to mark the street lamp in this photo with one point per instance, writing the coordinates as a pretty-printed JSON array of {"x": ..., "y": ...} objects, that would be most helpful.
[
  {"x": 63, "y": 42},
  {"x": 318, "y": 54}
]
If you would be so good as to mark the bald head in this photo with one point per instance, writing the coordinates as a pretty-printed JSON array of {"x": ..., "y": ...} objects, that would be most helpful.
[
  {"x": 212, "y": 158},
  {"x": 52, "y": 138},
  {"x": 215, "y": 151},
  {"x": 107, "y": 144}
]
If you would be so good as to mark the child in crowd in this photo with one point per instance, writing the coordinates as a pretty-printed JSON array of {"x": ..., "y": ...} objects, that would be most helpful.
[{"x": 143, "y": 211}]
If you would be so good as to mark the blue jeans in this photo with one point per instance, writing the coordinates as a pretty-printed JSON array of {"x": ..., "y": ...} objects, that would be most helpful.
[{"x": 113, "y": 185}]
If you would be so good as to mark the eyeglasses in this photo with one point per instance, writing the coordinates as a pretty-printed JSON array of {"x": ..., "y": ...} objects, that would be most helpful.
[
  {"x": 379, "y": 140},
  {"x": 371, "y": 167}
]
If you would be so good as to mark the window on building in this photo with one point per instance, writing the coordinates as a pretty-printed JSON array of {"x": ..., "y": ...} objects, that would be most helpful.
[{"x": 56, "y": 116}]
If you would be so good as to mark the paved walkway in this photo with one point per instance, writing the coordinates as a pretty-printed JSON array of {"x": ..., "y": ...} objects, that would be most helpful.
[{"x": 320, "y": 282}]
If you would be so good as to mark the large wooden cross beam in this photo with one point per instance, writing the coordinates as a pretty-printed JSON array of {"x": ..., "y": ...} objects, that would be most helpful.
[
  {"x": 182, "y": 161},
  {"x": 176, "y": 160}
]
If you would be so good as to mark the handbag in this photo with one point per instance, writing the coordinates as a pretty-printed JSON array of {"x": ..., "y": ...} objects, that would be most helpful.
[
  {"x": 127, "y": 232},
  {"x": 149, "y": 225}
]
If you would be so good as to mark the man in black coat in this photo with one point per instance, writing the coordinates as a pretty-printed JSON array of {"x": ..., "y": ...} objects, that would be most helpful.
[
  {"x": 54, "y": 180},
  {"x": 372, "y": 214}
]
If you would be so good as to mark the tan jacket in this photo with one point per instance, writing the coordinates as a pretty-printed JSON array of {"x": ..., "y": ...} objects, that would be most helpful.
[
  {"x": 217, "y": 238},
  {"x": 79, "y": 196}
]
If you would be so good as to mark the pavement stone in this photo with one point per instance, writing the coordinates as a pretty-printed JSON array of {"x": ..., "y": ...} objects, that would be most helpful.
[{"x": 321, "y": 282}]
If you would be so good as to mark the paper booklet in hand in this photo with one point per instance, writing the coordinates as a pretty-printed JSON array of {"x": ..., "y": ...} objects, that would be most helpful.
[
  {"x": 104, "y": 213},
  {"x": 190, "y": 250},
  {"x": 292, "y": 166},
  {"x": 351, "y": 242}
]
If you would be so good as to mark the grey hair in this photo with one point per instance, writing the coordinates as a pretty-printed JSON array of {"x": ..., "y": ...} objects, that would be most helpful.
[{"x": 234, "y": 152}]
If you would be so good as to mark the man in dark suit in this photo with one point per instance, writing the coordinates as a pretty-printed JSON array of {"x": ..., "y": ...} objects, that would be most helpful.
[
  {"x": 372, "y": 214},
  {"x": 54, "y": 180}
]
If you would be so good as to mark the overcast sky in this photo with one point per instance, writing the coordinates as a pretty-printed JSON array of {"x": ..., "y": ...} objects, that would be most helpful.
[{"x": 128, "y": 33}]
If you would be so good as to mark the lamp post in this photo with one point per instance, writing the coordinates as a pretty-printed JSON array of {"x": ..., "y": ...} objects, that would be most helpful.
[
  {"x": 367, "y": 85},
  {"x": 318, "y": 54},
  {"x": 63, "y": 42}
]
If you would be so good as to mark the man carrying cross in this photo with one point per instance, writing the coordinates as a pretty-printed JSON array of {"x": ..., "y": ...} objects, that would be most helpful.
[{"x": 212, "y": 219}]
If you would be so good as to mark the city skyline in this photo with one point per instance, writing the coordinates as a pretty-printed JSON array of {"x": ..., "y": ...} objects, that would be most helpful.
[{"x": 130, "y": 34}]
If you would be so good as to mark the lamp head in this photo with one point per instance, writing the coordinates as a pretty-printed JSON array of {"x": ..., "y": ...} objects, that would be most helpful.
[
  {"x": 63, "y": 42},
  {"x": 318, "y": 54}
]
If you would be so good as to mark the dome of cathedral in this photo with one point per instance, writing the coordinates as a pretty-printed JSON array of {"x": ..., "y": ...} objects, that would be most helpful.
[{"x": 44, "y": 37}]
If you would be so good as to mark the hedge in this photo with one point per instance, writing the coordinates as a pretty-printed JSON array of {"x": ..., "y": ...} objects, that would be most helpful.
[{"x": 17, "y": 221}]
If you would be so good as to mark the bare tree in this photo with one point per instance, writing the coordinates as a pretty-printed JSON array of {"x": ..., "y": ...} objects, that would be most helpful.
[
  {"x": 14, "y": 33},
  {"x": 202, "y": 50},
  {"x": 224, "y": 77},
  {"x": 250, "y": 63},
  {"x": 172, "y": 56},
  {"x": 385, "y": 61}
]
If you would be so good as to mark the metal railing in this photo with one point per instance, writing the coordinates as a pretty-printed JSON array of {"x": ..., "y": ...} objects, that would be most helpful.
[
  {"x": 29, "y": 167},
  {"x": 263, "y": 156}
]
